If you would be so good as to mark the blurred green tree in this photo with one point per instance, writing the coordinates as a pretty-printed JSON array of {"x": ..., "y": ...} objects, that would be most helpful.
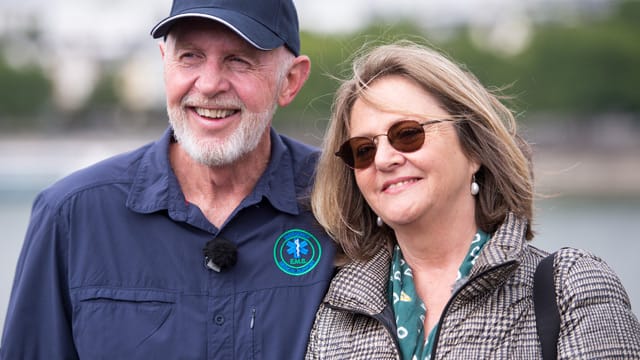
[
  {"x": 577, "y": 68},
  {"x": 24, "y": 93}
]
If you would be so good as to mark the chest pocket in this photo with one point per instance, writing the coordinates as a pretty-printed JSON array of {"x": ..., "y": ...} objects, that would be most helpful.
[{"x": 113, "y": 323}]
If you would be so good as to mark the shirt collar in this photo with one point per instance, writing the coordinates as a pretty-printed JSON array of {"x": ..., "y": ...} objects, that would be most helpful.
[
  {"x": 277, "y": 183},
  {"x": 155, "y": 186}
]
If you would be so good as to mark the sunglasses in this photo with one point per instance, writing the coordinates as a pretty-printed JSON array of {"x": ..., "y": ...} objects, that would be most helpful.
[{"x": 405, "y": 136}]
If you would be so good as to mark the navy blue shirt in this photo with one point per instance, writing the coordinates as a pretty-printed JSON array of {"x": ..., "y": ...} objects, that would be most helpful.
[{"x": 113, "y": 268}]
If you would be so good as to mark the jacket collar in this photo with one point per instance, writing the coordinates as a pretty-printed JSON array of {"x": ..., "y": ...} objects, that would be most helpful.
[
  {"x": 362, "y": 286},
  {"x": 501, "y": 256},
  {"x": 506, "y": 245}
]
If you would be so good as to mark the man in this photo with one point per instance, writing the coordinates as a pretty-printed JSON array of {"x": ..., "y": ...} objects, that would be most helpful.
[{"x": 113, "y": 265}]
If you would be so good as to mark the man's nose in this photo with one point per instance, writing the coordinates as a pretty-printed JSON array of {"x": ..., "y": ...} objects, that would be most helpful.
[{"x": 212, "y": 80}]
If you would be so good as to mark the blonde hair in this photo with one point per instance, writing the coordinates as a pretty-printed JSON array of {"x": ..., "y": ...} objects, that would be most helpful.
[{"x": 486, "y": 129}]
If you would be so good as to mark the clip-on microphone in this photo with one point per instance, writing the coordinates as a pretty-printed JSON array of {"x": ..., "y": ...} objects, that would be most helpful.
[{"x": 220, "y": 254}]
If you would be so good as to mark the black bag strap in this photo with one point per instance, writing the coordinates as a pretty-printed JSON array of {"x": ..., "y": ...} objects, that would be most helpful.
[{"x": 546, "y": 308}]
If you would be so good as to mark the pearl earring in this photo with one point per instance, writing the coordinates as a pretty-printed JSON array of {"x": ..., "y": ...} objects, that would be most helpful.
[
  {"x": 379, "y": 221},
  {"x": 475, "y": 188}
]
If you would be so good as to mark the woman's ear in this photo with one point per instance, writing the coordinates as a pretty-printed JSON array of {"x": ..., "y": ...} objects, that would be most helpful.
[{"x": 296, "y": 77}]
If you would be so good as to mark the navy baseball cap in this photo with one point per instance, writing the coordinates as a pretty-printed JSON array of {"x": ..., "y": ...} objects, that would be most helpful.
[{"x": 265, "y": 24}]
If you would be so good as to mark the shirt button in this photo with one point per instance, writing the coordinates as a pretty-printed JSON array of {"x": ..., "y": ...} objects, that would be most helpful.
[{"x": 219, "y": 319}]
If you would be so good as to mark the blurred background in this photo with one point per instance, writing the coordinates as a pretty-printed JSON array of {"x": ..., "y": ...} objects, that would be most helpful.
[{"x": 81, "y": 80}]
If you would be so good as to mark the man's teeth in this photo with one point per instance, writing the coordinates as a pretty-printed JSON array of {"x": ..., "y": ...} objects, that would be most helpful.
[
  {"x": 399, "y": 184},
  {"x": 214, "y": 113}
]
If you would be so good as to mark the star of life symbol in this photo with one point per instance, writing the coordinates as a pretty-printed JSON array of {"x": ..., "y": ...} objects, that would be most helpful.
[{"x": 296, "y": 252}]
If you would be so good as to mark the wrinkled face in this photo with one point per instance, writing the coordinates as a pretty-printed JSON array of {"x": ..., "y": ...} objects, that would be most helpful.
[
  {"x": 405, "y": 187},
  {"x": 221, "y": 91}
]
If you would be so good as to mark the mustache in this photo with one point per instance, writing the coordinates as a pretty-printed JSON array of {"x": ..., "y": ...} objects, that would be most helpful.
[{"x": 219, "y": 101}]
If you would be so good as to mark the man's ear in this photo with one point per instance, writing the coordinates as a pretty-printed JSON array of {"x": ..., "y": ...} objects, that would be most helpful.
[
  {"x": 161, "y": 45},
  {"x": 296, "y": 77}
]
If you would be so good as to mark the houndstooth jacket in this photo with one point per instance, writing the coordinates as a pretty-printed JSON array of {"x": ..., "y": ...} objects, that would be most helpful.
[{"x": 490, "y": 315}]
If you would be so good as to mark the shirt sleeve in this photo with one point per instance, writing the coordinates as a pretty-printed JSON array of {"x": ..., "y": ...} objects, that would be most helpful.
[
  {"x": 596, "y": 317},
  {"x": 38, "y": 322}
]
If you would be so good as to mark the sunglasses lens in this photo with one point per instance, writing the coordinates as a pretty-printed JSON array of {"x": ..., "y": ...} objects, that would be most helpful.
[
  {"x": 364, "y": 151},
  {"x": 406, "y": 136},
  {"x": 357, "y": 152}
]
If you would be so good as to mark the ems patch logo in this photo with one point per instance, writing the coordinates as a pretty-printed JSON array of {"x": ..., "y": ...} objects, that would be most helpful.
[{"x": 296, "y": 252}]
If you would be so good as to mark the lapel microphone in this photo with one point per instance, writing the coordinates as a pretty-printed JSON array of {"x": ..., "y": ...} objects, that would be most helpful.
[{"x": 220, "y": 254}]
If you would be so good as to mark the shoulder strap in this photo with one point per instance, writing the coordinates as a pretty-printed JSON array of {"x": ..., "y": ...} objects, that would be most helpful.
[{"x": 546, "y": 308}]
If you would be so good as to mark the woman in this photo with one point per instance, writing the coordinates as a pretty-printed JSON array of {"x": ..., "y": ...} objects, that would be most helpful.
[{"x": 428, "y": 189}]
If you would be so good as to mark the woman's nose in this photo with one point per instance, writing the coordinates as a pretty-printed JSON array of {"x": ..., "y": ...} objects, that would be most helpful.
[{"x": 386, "y": 155}]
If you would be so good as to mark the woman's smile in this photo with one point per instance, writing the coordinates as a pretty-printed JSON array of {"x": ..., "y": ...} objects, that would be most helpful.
[{"x": 399, "y": 185}]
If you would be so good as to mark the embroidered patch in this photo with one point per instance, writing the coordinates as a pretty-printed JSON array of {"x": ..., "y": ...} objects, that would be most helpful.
[{"x": 296, "y": 252}]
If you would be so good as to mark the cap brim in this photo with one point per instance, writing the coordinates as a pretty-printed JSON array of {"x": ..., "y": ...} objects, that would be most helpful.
[{"x": 250, "y": 30}]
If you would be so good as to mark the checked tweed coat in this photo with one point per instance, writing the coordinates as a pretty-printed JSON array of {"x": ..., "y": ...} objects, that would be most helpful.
[{"x": 490, "y": 315}]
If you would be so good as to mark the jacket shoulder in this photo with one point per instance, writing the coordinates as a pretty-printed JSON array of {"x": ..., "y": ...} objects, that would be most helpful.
[
  {"x": 116, "y": 169},
  {"x": 595, "y": 310},
  {"x": 582, "y": 270}
]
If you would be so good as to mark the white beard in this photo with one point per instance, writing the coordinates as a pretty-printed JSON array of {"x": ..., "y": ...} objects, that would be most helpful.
[{"x": 219, "y": 152}]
